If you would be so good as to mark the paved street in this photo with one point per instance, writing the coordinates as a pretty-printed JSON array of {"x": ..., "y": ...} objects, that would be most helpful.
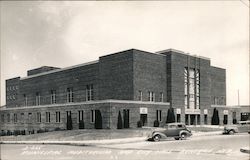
[{"x": 217, "y": 147}]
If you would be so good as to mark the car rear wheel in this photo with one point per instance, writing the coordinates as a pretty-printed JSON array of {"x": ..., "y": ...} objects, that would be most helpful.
[
  {"x": 183, "y": 136},
  {"x": 157, "y": 138},
  {"x": 231, "y": 132}
]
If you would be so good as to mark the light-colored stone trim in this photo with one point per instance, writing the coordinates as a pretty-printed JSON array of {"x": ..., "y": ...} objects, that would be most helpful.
[{"x": 87, "y": 103}]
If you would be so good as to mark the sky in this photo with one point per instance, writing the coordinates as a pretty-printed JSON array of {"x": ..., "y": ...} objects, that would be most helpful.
[{"x": 61, "y": 34}]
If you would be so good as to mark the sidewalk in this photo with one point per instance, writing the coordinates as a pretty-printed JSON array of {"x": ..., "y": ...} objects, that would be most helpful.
[{"x": 102, "y": 142}]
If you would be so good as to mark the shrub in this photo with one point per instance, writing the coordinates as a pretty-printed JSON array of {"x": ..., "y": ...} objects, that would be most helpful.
[
  {"x": 215, "y": 117},
  {"x": 81, "y": 124},
  {"x": 139, "y": 124},
  {"x": 156, "y": 123},
  {"x": 119, "y": 123},
  {"x": 40, "y": 131},
  {"x": 170, "y": 116}
]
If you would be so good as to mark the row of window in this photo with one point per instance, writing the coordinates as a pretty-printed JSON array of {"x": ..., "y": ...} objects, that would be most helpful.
[
  {"x": 219, "y": 100},
  {"x": 11, "y": 88},
  {"x": 151, "y": 96},
  {"x": 69, "y": 95},
  {"x": 12, "y": 97},
  {"x": 47, "y": 117}
]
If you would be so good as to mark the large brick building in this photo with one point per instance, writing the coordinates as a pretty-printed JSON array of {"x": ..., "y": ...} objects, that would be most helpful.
[{"x": 141, "y": 85}]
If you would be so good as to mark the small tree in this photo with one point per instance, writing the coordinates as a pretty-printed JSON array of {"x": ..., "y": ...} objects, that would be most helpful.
[
  {"x": 139, "y": 124},
  {"x": 81, "y": 124},
  {"x": 156, "y": 123},
  {"x": 215, "y": 117},
  {"x": 119, "y": 123},
  {"x": 170, "y": 116}
]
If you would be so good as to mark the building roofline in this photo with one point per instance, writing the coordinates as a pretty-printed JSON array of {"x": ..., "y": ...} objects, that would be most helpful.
[
  {"x": 181, "y": 52},
  {"x": 86, "y": 103},
  {"x": 60, "y": 69}
]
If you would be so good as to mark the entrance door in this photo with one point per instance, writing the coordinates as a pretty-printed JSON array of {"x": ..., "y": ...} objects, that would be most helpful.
[
  {"x": 192, "y": 119},
  {"x": 144, "y": 119},
  {"x": 126, "y": 118},
  {"x": 98, "y": 119}
]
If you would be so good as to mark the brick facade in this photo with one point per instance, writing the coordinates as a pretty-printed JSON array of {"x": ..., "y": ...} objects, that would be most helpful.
[{"x": 155, "y": 81}]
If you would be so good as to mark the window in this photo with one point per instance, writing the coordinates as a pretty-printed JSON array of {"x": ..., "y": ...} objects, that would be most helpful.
[
  {"x": 151, "y": 96},
  {"x": 80, "y": 115},
  {"x": 2, "y": 118},
  {"x": 25, "y": 100},
  {"x": 38, "y": 98},
  {"x": 53, "y": 96},
  {"x": 192, "y": 88},
  {"x": 158, "y": 115},
  {"x": 47, "y": 117},
  {"x": 140, "y": 95},
  {"x": 70, "y": 95},
  {"x": 58, "y": 117},
  {"x": 205, "y": 119},
  {"x": 89, "y": 92},
  {"x": 38, "y": 117},
  {"x": 29, "y": 117},
  {"x": 161, "y": 97},
  {"x": 178, "y": 118},
  {"x": 92, "y": 116},
  {"x": 8, "y": 117},
  {"x": 15, "y": 118},
  {"x": 22, "y": 118}
]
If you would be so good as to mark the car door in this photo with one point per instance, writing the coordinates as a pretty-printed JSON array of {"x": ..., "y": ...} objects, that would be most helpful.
[{"x": 172, "y": 130}]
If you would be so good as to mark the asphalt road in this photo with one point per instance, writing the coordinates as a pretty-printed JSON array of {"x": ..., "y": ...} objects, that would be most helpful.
[{"x": 219, "y": 147}]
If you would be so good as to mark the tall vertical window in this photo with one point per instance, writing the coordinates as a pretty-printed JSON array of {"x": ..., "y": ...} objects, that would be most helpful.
[
  {"x": 191, "y": 88},
  {"x": 38, "y": 117},
  {"x": 70, "y": 95},
  {"x": 2, "y": 118},
  {"x": 53, "y": 96},
  {"x": 161, "y": 97},
  {"x": 80, "y": 116},
  {"x": 22, "y": 118},
  {"x": 205, "y": 119},
  {"x": 92, "y": 116},
  {"x": 151, "y": 96},
  {"x": 47, "y": 117},
  {"x": 29, "y": 117},
  {"x": 38, "y": 98},
  {"x": 140, "y": 96},
  {"x": 25, "y": 100},
  {"x": 8, "y": 117},
  {"x": 15, "y": 118},
  {"x": 58, "y": 117},
  {"x": 158, "y": 115},
  {"x": 90, "y": 92}
]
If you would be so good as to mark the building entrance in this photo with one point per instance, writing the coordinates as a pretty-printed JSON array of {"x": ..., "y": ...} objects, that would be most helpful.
[{"x": 144, "y": 119}]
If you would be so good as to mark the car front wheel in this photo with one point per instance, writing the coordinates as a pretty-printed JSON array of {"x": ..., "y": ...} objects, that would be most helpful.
[
  {"x": 183, "y": 136},
  {"x": 157, "y": 138}
]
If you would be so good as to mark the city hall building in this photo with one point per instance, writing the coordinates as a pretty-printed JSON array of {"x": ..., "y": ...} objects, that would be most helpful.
[{"x": 138, "y": 85}]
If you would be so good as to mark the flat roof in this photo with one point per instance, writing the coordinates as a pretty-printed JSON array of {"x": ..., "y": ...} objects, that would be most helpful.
[{"x": 59, "y": 70}]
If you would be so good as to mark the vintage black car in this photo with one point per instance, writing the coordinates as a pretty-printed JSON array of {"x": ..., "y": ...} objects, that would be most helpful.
[
  {"x": 175, "y": 130},
  {"x": 242, "y": 126}
]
